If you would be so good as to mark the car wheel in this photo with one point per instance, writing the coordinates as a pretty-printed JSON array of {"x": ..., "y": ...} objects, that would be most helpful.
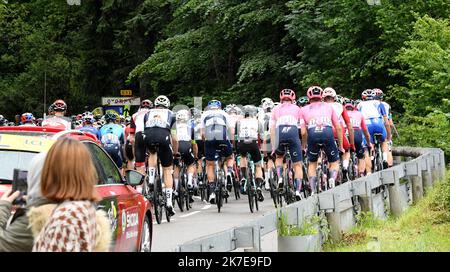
[{"x": 146, "y": 242}]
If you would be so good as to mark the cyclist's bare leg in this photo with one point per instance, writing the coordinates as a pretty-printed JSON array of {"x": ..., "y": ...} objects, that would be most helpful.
[
  {"x": 190, "y": 172},
  {"x": 210, "y": 171},
  {"x": 368, "y": 162},
  {"x": 243, "y": 167},
  {"x": 362, "y": 165},
  {"x": 385, "y": 149}
]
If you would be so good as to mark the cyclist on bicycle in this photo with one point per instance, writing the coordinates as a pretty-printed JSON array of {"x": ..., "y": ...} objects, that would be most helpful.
[
  {"x": 285, "y": 123},
  {"x": 57, "y": 120},
  {"x": 377, "y": 121},
  {"x": 158, "y": 123},
  {"x": 320, "y": 118},
  {"x": 248, "y": 131},
  {"x": 112, "y": 138},
  {"x": 329, "y": 96},
  {"x": 129, "y": 144},
  {"x": 266, "y": 147},
  {"x": 27, "y": 120},
  {"x": 184, "y": 133},
  {"x": 136, "y": 134},
  {"x": 200, "y": 155},
  {"x": 379, "y": 96},
  {"x": 217, "y": 130},
  {"x": 361, "y": 131},
  {"x": 88, "y": 125}
]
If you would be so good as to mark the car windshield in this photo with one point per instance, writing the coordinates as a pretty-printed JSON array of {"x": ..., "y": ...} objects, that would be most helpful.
[{"x": 13, "y": 159}]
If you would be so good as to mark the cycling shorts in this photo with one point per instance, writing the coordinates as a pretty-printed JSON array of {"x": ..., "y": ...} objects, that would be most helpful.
[
  {"x": 376, "y": 125},
  {"x": 160, "y": 136},
  {"x": 187, "y": 154},
  {"x": 324, "y": 138},
  {"x": 289, "y": 135},
  {"x": 359, "y": 146},
  {"x": 211, "y": 148},
  {"x": 114, "y": 151},
  {"x": 139, "y": 147},
  {"x": 250, "y": 148}
]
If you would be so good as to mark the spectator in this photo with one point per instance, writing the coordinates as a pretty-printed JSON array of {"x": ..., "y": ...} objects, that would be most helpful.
[
  {"x": 68, "y": 178},
  {"x": 16, "y": 235}
]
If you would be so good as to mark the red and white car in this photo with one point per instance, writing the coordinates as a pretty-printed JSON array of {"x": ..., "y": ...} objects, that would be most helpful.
[{"x": 129, "y": 212}]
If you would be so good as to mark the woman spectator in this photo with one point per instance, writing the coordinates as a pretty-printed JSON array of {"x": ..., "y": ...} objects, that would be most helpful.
[{"x": 68, "y": 178}]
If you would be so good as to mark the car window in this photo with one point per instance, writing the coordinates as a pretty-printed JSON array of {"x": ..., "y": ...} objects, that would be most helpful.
[
  {"x": 11, "y": 159},
  {"x": 106, "y": 169}
]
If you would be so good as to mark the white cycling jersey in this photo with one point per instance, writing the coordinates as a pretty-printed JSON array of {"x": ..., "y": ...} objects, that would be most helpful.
[
  {"x": 248, "y": 129},
  {"x": 137, "y": 120},
  {"x": 57, "y": 122},
  {"x": 159, "y": 118},
  {"x": 183, "y": 131}
]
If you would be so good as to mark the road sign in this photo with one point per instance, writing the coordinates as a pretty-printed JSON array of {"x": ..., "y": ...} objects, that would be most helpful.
[
  {"x": 126, "y": 92},
  {"x": 121, "y": 101}
]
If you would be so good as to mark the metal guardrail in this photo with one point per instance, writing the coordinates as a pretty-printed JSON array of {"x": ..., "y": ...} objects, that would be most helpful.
[{"x": 395, "y": 188}]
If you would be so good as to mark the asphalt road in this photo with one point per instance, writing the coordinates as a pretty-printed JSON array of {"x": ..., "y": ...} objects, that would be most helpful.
[{"x": 203, "y": 219}]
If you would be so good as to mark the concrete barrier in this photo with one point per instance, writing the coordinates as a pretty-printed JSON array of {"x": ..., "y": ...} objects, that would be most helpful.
[{"x": 391, "y": 190}]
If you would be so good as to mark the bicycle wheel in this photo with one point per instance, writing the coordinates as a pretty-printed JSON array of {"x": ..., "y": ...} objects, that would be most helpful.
[
  {"x": 180, "y": 196},
  {"x": 219, "y": 198},
  {"x": 237, "y": 188},
  {"x": 286, "y": 187},
  {"x": 273, "y": 192},
  {"x": 255, "y": 196},
  {"x": 157, "y": 197},
  {"x": 249, "y": 190},
  {"x": 186, "y": 191}
]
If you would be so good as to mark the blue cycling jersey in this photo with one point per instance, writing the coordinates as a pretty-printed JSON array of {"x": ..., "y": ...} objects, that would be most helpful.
[
  {"x": 114, "y": 129},
  {"x": 91, "y": 130}
]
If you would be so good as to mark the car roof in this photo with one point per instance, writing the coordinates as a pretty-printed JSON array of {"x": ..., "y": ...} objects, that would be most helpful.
[{"x": 37, "y": 139}]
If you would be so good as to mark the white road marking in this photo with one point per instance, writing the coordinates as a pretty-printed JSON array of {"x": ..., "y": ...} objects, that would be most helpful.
[
  {"x": 206, "y": 207},
  {"x": 189, "y": 214}
]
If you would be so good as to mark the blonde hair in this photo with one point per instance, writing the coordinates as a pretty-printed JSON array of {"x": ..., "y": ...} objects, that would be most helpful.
[{"x": 69, "y": 172}]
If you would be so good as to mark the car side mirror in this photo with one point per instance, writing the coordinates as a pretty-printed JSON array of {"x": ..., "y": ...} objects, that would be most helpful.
[{"x": 134, "y": 178}]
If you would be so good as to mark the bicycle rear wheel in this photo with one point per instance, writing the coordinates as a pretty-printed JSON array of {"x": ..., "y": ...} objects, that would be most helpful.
[
  {"x": 273, "y": 192},
  {"x": 157, "y": 198}
]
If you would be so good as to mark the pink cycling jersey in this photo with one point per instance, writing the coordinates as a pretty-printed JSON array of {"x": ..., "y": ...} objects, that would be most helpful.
[
  {"x": 319, "y": 114},
  {"x": 357, "y": 120},
  {"x": 287, "y": 114}
]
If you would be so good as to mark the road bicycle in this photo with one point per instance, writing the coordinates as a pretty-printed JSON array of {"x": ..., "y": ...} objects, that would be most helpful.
[
  {"x": 322, "y": 171},
  {"x": 287, "y": 190},
  {"x": 156, "y": 194},
  {"x": 183, "y": 193},
  {"x": 250, "y": 185},
  {"x": 377, "y": 155},
  {"x": 219, "y": 180}
]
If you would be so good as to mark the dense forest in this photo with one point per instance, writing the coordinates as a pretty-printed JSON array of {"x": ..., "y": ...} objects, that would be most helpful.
[{"x": 234, "y": 50}]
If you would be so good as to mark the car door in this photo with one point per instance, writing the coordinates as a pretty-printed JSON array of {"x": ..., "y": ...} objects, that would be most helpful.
[{"x": 118, "y": 200}]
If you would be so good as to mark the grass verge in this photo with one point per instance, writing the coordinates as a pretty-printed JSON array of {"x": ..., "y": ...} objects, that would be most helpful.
[{"x": 424, "y": 227}]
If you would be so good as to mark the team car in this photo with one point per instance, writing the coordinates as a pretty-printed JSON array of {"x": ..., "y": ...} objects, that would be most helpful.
[{"x": 128, "y": 211}]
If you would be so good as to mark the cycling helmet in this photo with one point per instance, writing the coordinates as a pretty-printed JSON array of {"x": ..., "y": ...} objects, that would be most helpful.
[
  {"x": 266, "y": 100},
  {"x": 339, "y": 99},
  {"x": 348, "y": 103},
  {"x": 314, "y": 92},
  {"x": 287, "y": 94},
  {"x": 109, "y": 116},
  {"x": 3, "y": 121},
  {"x": 378, "y": 93},
  {"x": 328, "y": 91},
  {"x": 268, "y": 105},
  {"x": 146, "y": 104},
  {"x": 183, "y": 115},
  {"x": 27, "y": 118},
  {"x": 367, "y": 93},
  {"x": 88, "y": 118},
  {"x": 302, "y": 101},
  {"x": 214, "y": 104},
  {"x": 162, "y": 100},
  {"x": 59, "y": 105},
  {"x": 249, "y": 111}
]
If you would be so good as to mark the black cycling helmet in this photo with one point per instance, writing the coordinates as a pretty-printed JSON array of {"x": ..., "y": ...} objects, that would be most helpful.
[
  {"x": 302, "y": 101},
  {"x": 109, "y": 116}
]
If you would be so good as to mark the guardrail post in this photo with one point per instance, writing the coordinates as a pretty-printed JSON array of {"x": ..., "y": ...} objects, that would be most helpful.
[
  {"x": 334, "y": 220},
  {"x": 395, "y": 196},
  {"x": 426, "y": 174},
  {"x": 442, "y": 164},
  {"x": 435, "y": 169},
  {"x": 256, "y": 234}
]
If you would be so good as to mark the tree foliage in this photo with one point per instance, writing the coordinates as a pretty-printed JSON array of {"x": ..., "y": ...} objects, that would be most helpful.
[{"x": 233, "y": 50}]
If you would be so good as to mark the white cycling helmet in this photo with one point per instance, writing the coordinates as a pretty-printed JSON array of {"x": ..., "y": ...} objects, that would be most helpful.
[
  {"x": 329, "y": 92},
  {"x": 162, "y": 100},
  {"x": 183, "y": 115},
  {"x": 266, "y": 100},
  {"x": 268, "y": 104}
]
